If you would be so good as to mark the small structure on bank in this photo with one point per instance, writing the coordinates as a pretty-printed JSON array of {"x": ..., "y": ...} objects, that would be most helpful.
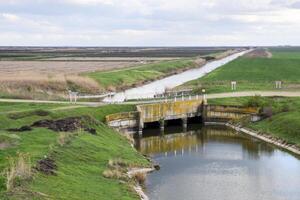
[
  {"x": 278, "y": 84},
  {"x": 73, "y": 96},
  {"x": 233, "y": 85}
]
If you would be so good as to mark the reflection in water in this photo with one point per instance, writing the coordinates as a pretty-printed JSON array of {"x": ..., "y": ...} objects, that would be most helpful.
[{"x": 218, "y": 163}]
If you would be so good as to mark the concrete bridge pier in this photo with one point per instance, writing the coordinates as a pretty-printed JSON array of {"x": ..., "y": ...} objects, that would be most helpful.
[
  {"x": 140, "y": 125},
  {"x": 184, "y": 123},
  {"x": 162, "y": 125}
]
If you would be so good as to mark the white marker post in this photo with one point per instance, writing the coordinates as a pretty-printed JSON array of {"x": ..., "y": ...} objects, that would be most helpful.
[
  {"x": 278, "y": 84},
  {"x": 204, "y": 96},
  {"x": 233, "y": 85},
  {"x": 73, "y": 96}
]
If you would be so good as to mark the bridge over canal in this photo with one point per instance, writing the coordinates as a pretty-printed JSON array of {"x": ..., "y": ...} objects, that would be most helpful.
[{"x": 183, "y": 110}]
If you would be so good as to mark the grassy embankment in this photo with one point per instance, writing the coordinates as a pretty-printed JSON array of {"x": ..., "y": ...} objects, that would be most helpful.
[
  {"x": 284, "y": 119},
  {"x": 81, "y": 157},
  {"x": 259, "y": 74},
  {"x": 254, "y": 73},
  {"x": 125, "y": 78}
]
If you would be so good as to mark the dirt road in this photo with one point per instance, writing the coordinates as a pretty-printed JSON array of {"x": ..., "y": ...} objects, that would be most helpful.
[{"x": 208, "y": 96}]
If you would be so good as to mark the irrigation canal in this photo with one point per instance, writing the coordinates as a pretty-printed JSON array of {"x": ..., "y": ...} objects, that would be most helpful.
[
  {"x": 159, "y": 86},
  {"x": 211, "y": 163}
]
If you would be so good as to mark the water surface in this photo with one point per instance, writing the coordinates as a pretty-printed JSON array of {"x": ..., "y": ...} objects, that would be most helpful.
[{"x": 216, "y": 163}]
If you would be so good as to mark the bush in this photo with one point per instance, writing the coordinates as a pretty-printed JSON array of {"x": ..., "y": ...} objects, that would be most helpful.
[{"x": 255, "y": 101}]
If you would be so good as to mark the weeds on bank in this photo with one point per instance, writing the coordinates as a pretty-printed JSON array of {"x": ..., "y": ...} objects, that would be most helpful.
[
  {"x": 19, "y": 169},
  {"x": 66, "y": 137},
  {"x": 117, "y": 169}
]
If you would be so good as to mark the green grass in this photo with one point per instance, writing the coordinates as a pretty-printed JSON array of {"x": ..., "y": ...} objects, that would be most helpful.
[
  {"x": 285, "y": 122},
  {"x": 80, "y": 163},
  {"x": 253, "y": 73},
  {"x": 284, "y": 125},
  {"x": 129, "y": 77},
  {"x": 19, "y": 107},
  {"x": 286, "y": 53}
]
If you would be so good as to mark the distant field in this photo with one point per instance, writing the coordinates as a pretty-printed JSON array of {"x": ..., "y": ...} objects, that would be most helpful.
[
  {"x": 286, "y": 53},
  {"x": 49, "y": 72},
  {"x": 44, "y": 53},
  {"x": 254, "y": 73}
]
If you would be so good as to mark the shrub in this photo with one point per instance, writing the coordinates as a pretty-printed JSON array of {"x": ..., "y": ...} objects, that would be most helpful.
[
  {"x": 255, "y": 101},
  {"x": 112, "y": 173},
  {"x": 117, "y": 163}
]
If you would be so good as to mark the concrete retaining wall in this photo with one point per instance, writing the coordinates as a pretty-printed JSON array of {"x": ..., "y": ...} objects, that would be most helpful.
[
  {"x": 169, "y": 110},
  {"x": 218, "y": 113},
  {"x": 126, "y": 120}
]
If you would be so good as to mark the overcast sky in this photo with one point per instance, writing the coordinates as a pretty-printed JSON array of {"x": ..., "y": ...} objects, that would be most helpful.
[{"x": 149, "y": 22}]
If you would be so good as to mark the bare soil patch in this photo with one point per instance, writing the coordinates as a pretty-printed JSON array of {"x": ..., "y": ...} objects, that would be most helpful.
[
  {"x": 46, "y": 166},
  {"x": 259, "y": 53},
  {"x": 63, "y": 125},
  {"x": 22, "y": 129},
  {"x": 70, "y": 124}
]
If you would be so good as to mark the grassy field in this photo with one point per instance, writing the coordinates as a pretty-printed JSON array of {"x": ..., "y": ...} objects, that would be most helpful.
[
  {"x": 80, "y": 160},
  {"x": 254, "y": 73},
  {"x": 125, "y": 78}
]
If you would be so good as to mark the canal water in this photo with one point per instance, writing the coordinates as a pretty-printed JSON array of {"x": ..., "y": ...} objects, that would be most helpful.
[
  {"x": 159, "y": 86},
  {"x": 217, "y": 163}
]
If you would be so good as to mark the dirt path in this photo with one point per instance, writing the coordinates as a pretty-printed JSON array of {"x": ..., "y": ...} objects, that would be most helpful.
[
  {"x": 52, "y": 102},
  {"x": 253, "y": 93},
  {"x": 208, "y": 96}
]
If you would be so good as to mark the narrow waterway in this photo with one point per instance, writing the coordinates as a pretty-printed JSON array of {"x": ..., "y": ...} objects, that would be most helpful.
[
  {"x": 217, "y": 163},
  {"x": 159, "y": 86}
]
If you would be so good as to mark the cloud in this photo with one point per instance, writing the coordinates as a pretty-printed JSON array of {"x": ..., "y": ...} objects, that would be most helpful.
[
  {"x": 10, "y": 17},
  {"x": 149, "y": 22},
  {"x": 296, "y": 5},
  {"x": 90, "y": 2}
]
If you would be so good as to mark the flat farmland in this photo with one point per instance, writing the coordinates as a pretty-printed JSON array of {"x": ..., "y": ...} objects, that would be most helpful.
[
  {"x": 49, "y": 72},
  {"x": 12, "y": 68}
]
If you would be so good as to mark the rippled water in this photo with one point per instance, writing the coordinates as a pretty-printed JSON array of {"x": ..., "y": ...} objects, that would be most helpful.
[
  {"x": 159, "y": 86},
  {"x": 216, "y": 163}
]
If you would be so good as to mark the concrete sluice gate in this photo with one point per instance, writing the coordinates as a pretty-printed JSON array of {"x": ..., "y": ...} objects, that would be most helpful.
[{"x": 158, "y": 115}]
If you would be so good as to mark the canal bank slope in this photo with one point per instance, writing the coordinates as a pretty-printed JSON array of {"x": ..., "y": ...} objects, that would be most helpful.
[
  {"x": 280, "y": 124},
  {"x": 48, "y": 153}
]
